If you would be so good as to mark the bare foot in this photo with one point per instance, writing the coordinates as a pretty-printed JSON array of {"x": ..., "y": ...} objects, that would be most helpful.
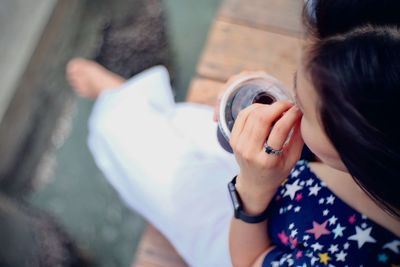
[{"x": 89, "y": 79}]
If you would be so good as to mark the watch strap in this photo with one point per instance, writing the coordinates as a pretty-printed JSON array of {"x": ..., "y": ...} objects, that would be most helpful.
[{"x": 238, "y": 206}]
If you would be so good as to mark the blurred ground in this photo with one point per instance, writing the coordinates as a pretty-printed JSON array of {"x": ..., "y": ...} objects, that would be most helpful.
[
  {"x": 77, "y": 193},
  {"x": 21, "y": 40}
]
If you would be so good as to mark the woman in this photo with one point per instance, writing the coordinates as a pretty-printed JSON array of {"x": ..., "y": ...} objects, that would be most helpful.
[
  {"x": 165, "y": 161},
  {"x": 346, "y": 89},
  {"x": 346, "y": 92}
]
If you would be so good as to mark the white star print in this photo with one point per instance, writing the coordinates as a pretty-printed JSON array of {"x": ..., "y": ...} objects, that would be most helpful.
[
  {"x": 330, "y": 199},
  {"x": 338, "y": 231},
  {"x": 313, "y": 260},
  {"x": 291, "y": 189},
  {"x": 346, "y": 245},
  {"x": 295, "y": 173},
  {"x": 341, "y": 256},
  {"x": 301, "y": 168},
  {"x": 323, "y": 184},
  {"x": 309, "y": 182},
  {"x": 333, "y": 248},
  {"x": 321, "y": 200},
  {"x": 297, "y": 209},
  {"x": 332, "y": 220},
  {"x": 302, "y": 183},
  {"x": 291, "y": 226},
  {"x": 290, "y": 207},
  {"x": 306, "y": 237},
  {"x": 317, "y": 246},
  {"x": 325, "y": 212},
  {"x": 293, "y": 233},
  {"x": 314, "y": 190},
  {"x": 364, "y": 225},
  {"x": 362, "y": 236},
  {"x": 393, "y": 246}
]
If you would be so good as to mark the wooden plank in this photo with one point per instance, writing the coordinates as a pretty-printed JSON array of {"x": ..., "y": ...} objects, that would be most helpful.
[
  {"x": 233, "y": 48},
  {"x": 276, "y": 15},
  {"x": 155, "y": 251},
  {"x": 204, "y": 91}
]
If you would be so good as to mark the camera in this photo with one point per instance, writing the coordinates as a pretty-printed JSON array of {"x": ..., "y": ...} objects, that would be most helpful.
[{"x": 254, "y": 88}]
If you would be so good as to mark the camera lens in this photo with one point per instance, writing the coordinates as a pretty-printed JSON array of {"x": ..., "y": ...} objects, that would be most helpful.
[
  {"x": 260, "y": 88},
  {"x": 263, "y": 98}
]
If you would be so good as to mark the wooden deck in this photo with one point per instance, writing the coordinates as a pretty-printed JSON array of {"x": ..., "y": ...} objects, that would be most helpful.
[{"x": 246, "y": 35}]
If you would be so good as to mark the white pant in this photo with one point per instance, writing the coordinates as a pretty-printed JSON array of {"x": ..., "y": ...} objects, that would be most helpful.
[{"x": 165, "y": 162}]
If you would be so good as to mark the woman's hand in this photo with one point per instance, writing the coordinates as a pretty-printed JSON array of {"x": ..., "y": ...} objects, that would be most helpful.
[{"x": 262, "y": 173}]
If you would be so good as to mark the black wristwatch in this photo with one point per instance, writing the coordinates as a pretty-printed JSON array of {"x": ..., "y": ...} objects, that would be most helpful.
[{"x": 238, "y": 207}]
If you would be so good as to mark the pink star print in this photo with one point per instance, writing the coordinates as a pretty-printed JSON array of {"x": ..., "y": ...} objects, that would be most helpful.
[
  {"x": 299, "y": 196},
  {"x": 319, "y": 229},
  {"x": 352, "y": 219},
  {"x": 299, "y": 254},
  {"x": 294, "y": 242},
  {"x": 283, "y": 237}
]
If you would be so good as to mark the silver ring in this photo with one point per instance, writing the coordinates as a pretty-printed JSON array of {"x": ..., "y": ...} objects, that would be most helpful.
[{"x": 270, "y": 151}]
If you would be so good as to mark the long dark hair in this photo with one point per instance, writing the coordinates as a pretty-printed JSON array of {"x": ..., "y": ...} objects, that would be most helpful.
[
  {"x": 326, "y": 18},
  {"x": 357, "y": 78}
]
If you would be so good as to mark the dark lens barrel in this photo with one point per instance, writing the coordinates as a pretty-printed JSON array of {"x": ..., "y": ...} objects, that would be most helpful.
[
  {"x": 223, "y": 142},
  {"x": 263, "y": 98},
  {"x": 244, "y": 97}
]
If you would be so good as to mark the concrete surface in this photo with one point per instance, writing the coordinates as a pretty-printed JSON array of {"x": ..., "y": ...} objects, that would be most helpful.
[{"x": 21, "y": 23}]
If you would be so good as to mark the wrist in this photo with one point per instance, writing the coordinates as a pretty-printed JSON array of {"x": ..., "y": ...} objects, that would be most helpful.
[{"x": 254, "y": 199}]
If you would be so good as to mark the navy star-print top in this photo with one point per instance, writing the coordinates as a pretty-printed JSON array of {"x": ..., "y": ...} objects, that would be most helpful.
[{"x": 310, "y": 226}]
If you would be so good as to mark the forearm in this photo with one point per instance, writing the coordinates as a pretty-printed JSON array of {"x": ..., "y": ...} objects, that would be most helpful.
[
  {"x": 261, "y": 173},
  {"x": 248, "y": 242}
]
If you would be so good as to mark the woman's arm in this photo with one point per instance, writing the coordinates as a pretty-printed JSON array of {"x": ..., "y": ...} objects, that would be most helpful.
[
  {"x": 249, "y": 241},
  {"x": 260, "y": 173}
]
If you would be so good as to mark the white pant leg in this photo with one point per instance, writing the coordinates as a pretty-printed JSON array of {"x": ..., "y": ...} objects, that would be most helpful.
[{"x": 165, "y": 162}]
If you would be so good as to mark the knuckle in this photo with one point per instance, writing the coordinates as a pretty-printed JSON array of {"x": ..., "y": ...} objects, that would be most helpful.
[
  {"x": 241, "y": 114},
  {"x": 280, "y": 104},
  {"x": 262, "y": 117},
  {"x": 258, "y": 105},
  {"x": 246, "y": 156}
]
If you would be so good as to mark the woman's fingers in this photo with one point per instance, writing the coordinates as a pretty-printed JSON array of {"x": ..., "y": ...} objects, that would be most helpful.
[
  {"x": 294, "y": 148},
  {"x": 282, "y": 128},
  {"x": 254, "y": 123},
  {"x": 263, "y": 120},
  {"x": 239, "y": 124}
]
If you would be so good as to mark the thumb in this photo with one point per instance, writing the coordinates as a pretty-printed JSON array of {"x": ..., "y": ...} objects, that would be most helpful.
[{"x": 294, "y": 148}]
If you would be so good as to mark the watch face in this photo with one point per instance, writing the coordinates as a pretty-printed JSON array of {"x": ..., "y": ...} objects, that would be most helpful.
[
  {"x": 260, "y": 88},
  {"x": 234, "y": 197}
]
